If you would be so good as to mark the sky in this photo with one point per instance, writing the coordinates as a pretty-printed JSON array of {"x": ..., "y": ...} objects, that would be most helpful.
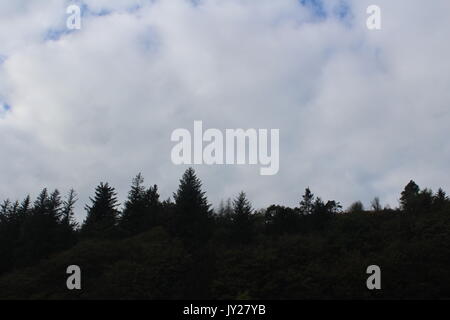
[{"x": 360, "y": 112}]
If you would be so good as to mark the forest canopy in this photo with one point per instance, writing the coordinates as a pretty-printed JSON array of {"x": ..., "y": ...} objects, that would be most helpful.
[{"x": 183, "y": 248}]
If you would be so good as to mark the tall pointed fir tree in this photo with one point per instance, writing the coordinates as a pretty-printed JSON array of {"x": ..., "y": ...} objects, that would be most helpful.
[
  {"x": 192, "y": 211},
  {"x": 242, "y": 219},
  {"x": 67, "y": 214},
  {"x": 142, "y": 208},
  {"x": 102, "y": 214},
  {"x": 68, "y": 222},
  {"x": 42, "y": 232},
  {"x": 192, "y": 222}
]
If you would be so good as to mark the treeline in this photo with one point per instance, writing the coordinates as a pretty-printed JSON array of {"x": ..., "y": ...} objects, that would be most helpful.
[{"x": 182, "y": 248}]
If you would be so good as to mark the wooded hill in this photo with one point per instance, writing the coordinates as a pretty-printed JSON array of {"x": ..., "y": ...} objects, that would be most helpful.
[{"x": 182, "y": 249}]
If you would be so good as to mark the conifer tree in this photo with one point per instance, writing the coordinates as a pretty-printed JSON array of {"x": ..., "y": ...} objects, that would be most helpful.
[
  {"x": 242, "y": 219},
  {"x": 192, "y": 210},
  {"x": 307, "y": 203},
  {"x": 242, "y": 208},
  {"x": 12, "y": 218},
  {"x": 68, "y": 222},
  {"x": 41, "y": 233},
  {"x": 67, "y": 214},
  {"x": 440, "y": 199},
  {"x": 153, "y": 206},
  {"x": 227, "y": 208},
  {"x": 141, "y": 210},
  {"x": 102, "y": 214},
  {"x": 409, "y": 197}
]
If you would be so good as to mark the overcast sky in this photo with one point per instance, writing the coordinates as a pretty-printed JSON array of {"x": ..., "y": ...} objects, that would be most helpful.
[{"x": 360, "y": 112}]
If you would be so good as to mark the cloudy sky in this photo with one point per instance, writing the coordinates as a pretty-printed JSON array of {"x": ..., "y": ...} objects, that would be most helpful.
[{"x": 360, "y": 112}]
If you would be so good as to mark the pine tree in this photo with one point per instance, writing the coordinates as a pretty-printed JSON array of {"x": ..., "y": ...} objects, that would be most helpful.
[
  {"x": 425, "y": 200},
  {"x": 228, "y": 210},
  {"x": 192, "y": 222},
  {"x": 5, "y": 211},
  {"x": 68, "y": 222},
  {"x": 192, "y": 210},
  {"x": 41, "y": 232},
  {"x": 55, "y": 206},
  {"x": 42, "y": 203},
  {"x": 409, "y": 197},
  {"x": 440, "y": 199},
  {"x": 12, "y": 219},
  {"x": 141, "y": 210},
  {"x": 137, "y": 191},
  {"x": 102, "y": 214},
  {"x": 189, "y": 195},
  {"x": 242, "y": 219},
  {"x": 225, "y": 208},
  {"x": 134, "y": 208},
  {"x": 153, "y": 205},
  {"x": 221, "y": 210},
  {"x": 7, "y": 237},
  {"x": 242, "y": 208},
  {"x": 67, "y": 212},
  {"x": 307, "y": 203}
]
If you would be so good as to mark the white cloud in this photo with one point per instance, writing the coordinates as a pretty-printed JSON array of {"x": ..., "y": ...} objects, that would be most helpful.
[{"x": 360, "y": 112}]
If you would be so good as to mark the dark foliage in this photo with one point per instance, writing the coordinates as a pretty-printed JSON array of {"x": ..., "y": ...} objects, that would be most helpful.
[
  {"x": 102, "y": 215},
  {"x": 155, "y": 249}
]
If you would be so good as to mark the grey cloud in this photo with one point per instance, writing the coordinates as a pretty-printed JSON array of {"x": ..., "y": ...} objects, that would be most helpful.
[{"x": 360, "y": 112}]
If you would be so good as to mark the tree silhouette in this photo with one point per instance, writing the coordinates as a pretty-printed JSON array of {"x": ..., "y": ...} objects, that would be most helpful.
[
  {"x": 409, "y": 197},
  {"x": 328, "y": 208},
  {"x": 242, "y": 219},
  {"x": 192, "y": 210},
  {"x": 68, "y": 210},
  {"x": 356, "y": 207},
  {"x": 376, "y": 205},
  {"x": 68, "y": 222},
  {"x": 9, "y": 233},
  {"x": 307, "y": 203},
  {"x": 141, "y": 210},
  {"x": 440, "y": 200},
  {"x": 43, "y": 230},
  {"x": 102, "y": 214},
  {"x": 280, "y": 220},
  {"x": 179, "y": 249}
]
